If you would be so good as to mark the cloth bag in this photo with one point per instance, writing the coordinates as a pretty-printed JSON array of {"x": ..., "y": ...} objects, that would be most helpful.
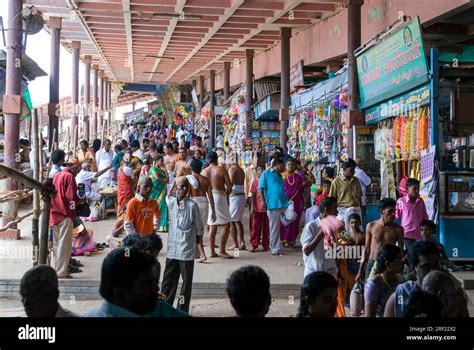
[
  {"x": 356, "y": 300},
  {"x": 289, "y": 215}
]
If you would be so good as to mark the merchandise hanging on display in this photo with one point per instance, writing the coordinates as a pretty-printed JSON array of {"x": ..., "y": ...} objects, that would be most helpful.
[
  {"x": 234, "y": 122},
  {"x": 202, "y": 121},
  {"x": 315, "y": 133},
  {"x": 183, "y": 115}
]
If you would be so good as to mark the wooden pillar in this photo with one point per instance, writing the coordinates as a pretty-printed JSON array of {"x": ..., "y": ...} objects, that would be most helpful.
[
  {"x": 212, "y": 82},
  {"x": 201, "y": 91},
  {"x": 12, "y": 108},
  {"x": 76, "y": 46},
  {"x": 87, "y": 96},
  {"x": 248, "y": 89},
  {"x": 95, "y": 83},
  {"x": 53, "y": 126},
  {"x": 353, "y": 42},
  {"x": 285, "y": 35},
  {"x": 226, "y": 81}
]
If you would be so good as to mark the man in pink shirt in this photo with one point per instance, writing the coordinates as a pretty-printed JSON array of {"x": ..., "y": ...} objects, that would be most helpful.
[{"x": 411, "y": 210}]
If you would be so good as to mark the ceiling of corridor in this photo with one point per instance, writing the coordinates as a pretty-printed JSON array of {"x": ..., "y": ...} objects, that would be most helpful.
[{"x": 127, "y": 37}]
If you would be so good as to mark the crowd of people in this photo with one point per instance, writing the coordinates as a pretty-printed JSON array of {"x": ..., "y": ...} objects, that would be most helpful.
[{"x": 169, "y": 179}]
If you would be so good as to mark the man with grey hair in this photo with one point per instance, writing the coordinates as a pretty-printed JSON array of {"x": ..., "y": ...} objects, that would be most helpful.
[
  {"x": 185, "y": 233},
  {"x": 39, "y": 293}
]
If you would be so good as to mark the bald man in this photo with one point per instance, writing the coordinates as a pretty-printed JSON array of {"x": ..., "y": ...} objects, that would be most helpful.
[
  {"x": 184, "y": 234},
  {"x": 442, "y": 285}
]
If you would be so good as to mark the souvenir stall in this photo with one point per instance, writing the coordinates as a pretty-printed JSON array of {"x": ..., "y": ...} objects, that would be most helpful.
[
  {"x": 316, "y": 130},
  {"x": 395, "y": 96},
  {"x": 202, "y": 121},
  {"x": 456, "y": 145},
  {"x": 234, "y": 124},
  {"x": 266, "y": 127}
]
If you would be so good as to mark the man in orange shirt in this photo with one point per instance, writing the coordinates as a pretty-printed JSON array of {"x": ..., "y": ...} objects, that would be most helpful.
[{"x": 143, "y": 215}]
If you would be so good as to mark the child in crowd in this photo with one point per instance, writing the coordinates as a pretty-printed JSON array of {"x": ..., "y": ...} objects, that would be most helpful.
[
  {"x": 259, "y": 215},
  {"x": 427, "y": 231},
  {"x": 326, "y": 186},
  {"x": 143, "y": 215},
  {"x": 411, "y": 211},
  {"x": 312, "y": 213}
]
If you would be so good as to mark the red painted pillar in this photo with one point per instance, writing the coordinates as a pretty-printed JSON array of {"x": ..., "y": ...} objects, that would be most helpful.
[
  {"x": 87, "y": 96},
  {"x": 226, "y": 81},
  {"x": 95, "y": 83},
  {"x": 100, "y": 91},
  {"x": 201, "y": 91},
  {"x": 76, "y": 46},
  {"x": 353, "y": 42},
  {"x": 53, "y": 109},
  {"x": 248, "y": 88},
  {"x": 11, "y": 108},
  {"x": 212, "y": 84},
  {"x": 285, "y": 35}
]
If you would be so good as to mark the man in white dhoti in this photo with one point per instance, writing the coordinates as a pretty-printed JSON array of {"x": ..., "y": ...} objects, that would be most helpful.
[
  {"x": 201, "y": 193},
  {"x": 237, "y": 202},
  {"x": 221, "y": 188}
]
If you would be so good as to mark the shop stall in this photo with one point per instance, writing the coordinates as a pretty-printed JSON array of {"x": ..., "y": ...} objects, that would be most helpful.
[
  {"x": 266, "y": 127},
  {"x": 317, "y": 129},
  {"x": 456, "y": 190},
  {"x": 396, "y": 94},
  {"x": 234, "y": 122}
]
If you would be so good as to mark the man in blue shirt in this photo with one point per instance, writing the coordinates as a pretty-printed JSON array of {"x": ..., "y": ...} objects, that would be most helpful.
[
  {"x": 275, "y": 201},
  {"x": 129, "y": 286}
]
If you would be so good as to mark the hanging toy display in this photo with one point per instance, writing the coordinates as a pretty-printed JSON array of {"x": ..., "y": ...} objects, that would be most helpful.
[
  {"x": 234, "y": 122},
  {"x": 343, "y": 99},
  {"x": 315, "y": 133}
]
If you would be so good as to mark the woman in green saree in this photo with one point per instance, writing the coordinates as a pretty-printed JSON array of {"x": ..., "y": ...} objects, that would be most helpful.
[{"x": 160, "y": 179}]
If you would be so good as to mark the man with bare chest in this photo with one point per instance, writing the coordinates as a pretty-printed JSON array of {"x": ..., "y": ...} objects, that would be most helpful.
[
  {"x": 182, "y": 167},
  {"x": 201, "y": 193},
  {"x": 199, "y": 146},
  {"x": 221, "y": 188},
  {"x": 237, "y": 202},
  {"x": 378, "y": 233}
]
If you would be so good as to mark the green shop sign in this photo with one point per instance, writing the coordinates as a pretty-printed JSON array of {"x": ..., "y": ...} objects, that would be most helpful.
[
  {"x": 400, "y": 105},
  {"x": 395, "y": 65}
]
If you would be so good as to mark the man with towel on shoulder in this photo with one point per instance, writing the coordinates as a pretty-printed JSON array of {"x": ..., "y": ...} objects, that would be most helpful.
[
  {"x": 221, "y": 189},
  {"x": 237, "y": 202},
  {"x": 201, "y": 193}
]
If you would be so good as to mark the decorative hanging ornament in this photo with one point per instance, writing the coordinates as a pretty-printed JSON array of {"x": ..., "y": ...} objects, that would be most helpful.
[
  {"x": 343, "y": 99},
  {"x": 336, "y": 101}
]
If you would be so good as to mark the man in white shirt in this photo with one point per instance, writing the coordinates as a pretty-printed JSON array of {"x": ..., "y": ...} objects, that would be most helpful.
[
  {"x": 364, "y": 179},
  {"x": 126, "y": 134},
  {"x": 312, "y": 241},
  {"x": 87, "y": 178},
  {"x": 104, "y": 159},
  {"x": 137, "y": 151},
  {"x": 180, "y": 133},
  {"x": 220, "y": 141}
]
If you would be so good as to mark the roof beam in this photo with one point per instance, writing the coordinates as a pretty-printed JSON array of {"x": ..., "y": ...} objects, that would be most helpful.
[
  {"x": 164, "y": 45},
  {"x": 235, "y": 5},
  {"x": 287, "y": 6}
]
